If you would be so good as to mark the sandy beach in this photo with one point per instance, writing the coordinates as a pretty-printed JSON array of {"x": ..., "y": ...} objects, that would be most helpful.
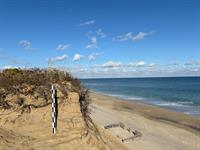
[{"x": 161, "y": 128}]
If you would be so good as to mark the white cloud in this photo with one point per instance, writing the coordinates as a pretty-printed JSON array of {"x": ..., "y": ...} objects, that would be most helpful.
[
  {"x": 111, "y": 64},
  {"x": 93, "y": 40},
  {"x": 27, "y": 45},
  {"x": 140, "y": 36},
  {"x": 9, "y": 67},
  {"x": 59, "y": 58},
  {"x": 77, "y": 57},
  {"x": 100, "y": 33},
  {"x": 118, "y": 69},
  {"x": 130, "y": 36},
  {"x": 152, "y": 64},
  {"x": 137, "y": 64},
  {"x": 140, "y": 63},
  {"x": 192, "y": 63},
  {"x": 63, "y": 46},
  {"x": 87, "y": 23},
  {"x": 89, "y": 33},
  {"x": 93, "y": 35},
  {"x": 93, "y": 56},
  {"x": 93, "y": 43},
  {"x": 125, "y": 37}
]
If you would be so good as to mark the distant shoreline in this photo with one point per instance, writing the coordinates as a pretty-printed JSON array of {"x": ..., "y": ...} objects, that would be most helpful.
[
  {"x": 143, "y": 102},
  {"x": 174, "y": 93},
  {"x": 140, "y": 77}
]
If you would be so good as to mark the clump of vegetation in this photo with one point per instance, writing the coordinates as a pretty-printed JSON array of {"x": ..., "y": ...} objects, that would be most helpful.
[
  {"x": 12, "y": 79},
  {"x": 36, "y": 83}
]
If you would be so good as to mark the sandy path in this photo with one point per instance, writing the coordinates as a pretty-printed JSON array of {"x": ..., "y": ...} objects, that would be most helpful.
[{"x": 156, "y": 135}]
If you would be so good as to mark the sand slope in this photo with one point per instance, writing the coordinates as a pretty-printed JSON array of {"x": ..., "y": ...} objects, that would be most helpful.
[{"x": 33, "y": 130}]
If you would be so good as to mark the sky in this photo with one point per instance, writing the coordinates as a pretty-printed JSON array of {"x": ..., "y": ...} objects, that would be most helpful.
[{"x": 97, "y": 39}]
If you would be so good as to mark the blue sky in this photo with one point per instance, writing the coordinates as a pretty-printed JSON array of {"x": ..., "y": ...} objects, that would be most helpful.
[{"x": 122, "y": 38}]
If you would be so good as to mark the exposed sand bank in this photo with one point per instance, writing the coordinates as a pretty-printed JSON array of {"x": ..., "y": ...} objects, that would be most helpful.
[
  {"x": 26, "y": 112},
  {"x": 160, "y": 128},
  {"x": 33, "y": 130}
]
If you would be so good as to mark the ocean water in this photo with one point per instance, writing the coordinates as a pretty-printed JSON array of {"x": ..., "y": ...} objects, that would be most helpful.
[{"x": 176, "y": 93}]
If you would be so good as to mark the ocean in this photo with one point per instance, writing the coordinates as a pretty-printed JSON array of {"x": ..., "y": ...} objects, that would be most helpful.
[{"x": 176, "y": 93}]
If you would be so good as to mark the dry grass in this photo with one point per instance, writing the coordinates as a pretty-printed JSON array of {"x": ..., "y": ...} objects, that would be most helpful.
[
  {"x": 37, "y": 84},
  {"x": 12, "y": 79}
]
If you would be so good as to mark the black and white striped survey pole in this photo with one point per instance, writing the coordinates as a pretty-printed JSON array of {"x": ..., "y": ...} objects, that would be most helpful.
[{"x": 53, "y": 113}]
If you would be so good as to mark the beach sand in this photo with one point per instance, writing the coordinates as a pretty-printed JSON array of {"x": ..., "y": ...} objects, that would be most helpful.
[{"x": 161, "y": 129}]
